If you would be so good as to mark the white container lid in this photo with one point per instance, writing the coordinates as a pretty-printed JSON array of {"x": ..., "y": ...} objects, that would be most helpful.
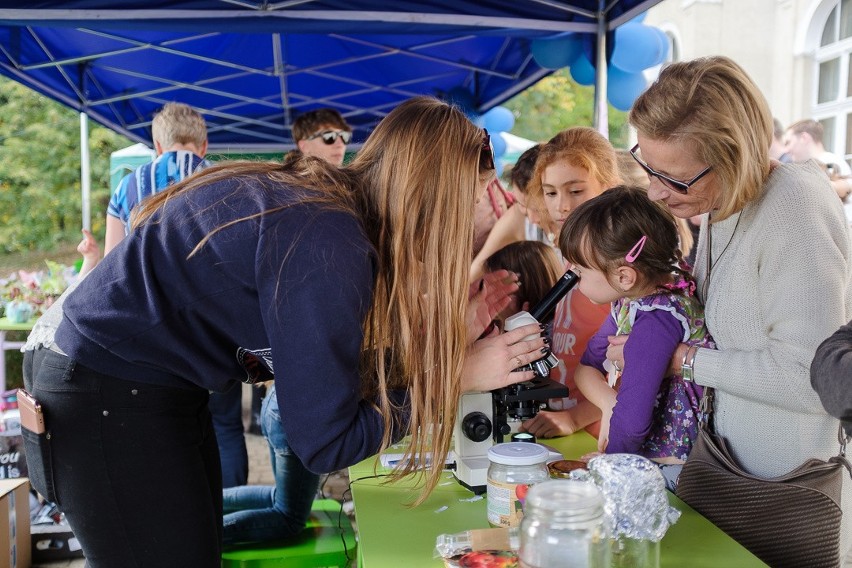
[{"x": 518, "y": 453}]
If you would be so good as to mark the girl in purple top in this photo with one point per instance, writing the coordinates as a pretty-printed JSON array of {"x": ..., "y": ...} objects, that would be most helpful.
[{"x": 625, "y": 249}]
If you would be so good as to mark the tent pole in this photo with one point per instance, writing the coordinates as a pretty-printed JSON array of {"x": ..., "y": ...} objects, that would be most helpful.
[
  {"x": 85, "y": 178},
  {"x": 601, "y": 116}
]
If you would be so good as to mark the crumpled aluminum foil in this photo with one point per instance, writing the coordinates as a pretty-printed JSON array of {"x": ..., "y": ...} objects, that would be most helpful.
[{"x": 635, "y": 496}]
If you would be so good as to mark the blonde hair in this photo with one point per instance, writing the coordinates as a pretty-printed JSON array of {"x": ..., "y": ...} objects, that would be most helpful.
[
  {"x": 178, "y": 123},
  {"x": 713, "y": 105},
  {"x": 413, "y": 185},
  {"x": 421, "y": 169},
  {"x": 581, "y": 147}
]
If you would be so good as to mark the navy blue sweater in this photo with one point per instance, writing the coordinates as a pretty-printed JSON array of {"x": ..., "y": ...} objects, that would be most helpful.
[{"x": 286, "y": 292}]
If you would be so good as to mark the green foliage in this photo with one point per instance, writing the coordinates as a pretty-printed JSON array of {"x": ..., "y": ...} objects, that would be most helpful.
[
  {"x": 40, "y": 200},
  {"x": 556, "y": 103}
]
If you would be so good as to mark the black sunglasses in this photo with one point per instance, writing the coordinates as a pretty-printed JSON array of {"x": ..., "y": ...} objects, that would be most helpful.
[
  {"x": 331, "y": 136},
  {"x": 486, "y": 154},
  {"x": 671, "y": 183}
]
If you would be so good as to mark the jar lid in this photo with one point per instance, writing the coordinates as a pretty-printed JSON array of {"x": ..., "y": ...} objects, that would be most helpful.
[
  {"x": 518, "y": 453},
  {"x": 565, "y": 495}
]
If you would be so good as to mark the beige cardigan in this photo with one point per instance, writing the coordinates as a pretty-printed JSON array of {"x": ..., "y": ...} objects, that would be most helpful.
[{"x": 781, "y": 286}]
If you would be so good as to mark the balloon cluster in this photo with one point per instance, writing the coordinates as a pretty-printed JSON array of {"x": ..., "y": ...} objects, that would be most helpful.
[
  {"x": 636, "y": 47},
  {"x": 497, "y": 120}
]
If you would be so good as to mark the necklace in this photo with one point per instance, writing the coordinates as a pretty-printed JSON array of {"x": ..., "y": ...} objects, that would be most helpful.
[{"x": 710, "y": 263}]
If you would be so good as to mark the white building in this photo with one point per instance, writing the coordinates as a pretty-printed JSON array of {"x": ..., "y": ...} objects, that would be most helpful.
[{"x": 797, "y": 51}]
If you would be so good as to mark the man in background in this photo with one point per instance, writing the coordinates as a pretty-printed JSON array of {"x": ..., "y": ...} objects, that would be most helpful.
[
  {"x": 804, "y": 141},
  {"x": 180, "y": 140},
  {"x": 322, "y": 133}
]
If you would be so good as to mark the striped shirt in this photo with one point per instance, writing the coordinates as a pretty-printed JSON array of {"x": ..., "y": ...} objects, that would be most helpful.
[{"x": 148, "y": 179}]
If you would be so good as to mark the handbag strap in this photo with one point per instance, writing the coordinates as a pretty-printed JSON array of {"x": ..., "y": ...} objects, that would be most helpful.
[{"x": 705, "y": 410}]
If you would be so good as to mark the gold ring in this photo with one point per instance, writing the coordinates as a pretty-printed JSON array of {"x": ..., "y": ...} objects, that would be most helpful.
[{"x": 518, "y": 360}]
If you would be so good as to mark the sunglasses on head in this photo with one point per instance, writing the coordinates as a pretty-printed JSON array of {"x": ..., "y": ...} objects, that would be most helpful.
[
  {"x": 671, "y": 183},
  {"x": 486, "y": 154},
  {"x": 330, "y": 136}
]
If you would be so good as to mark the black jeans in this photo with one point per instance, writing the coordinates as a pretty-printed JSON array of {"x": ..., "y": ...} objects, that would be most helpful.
[{"x": 133, "y": 466}]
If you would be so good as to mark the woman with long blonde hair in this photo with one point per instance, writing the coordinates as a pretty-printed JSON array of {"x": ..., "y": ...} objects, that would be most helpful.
[{"x": 347, "y": 287}]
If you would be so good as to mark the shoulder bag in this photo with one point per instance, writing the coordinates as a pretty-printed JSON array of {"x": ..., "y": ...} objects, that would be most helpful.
[{"x": 788, "y": 521}]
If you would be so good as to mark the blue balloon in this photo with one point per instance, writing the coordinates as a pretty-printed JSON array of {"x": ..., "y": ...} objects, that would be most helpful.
[
  {"x": 623, "y": 88},
  {"x": 462, "y": 98},
  {"x": 637, "y": 47},
  {"x": 478, "y": 120},
  {"x": 666, "y": 41},
  {"x": 640, "y": 18},
  {"x": 556, "y": 52},
  {"x": 499, "y": 119},
  {"x": 582, "y": 71},
  {"x": 498, "y": 166},
  {"x": 498, "y": 144}
]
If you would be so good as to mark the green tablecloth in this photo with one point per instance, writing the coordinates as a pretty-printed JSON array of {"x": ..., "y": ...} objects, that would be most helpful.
[{"x": 393, "y": 535}]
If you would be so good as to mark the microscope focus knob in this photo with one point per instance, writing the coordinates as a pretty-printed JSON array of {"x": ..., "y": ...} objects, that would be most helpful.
[{"x": 476, "y": 426}]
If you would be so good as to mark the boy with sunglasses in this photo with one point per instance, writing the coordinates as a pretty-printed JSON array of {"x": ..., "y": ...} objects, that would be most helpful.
[{"x": 322, "y": 133}]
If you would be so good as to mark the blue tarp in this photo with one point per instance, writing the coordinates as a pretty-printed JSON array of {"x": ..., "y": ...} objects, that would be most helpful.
[{"x": 250, "y": 67}]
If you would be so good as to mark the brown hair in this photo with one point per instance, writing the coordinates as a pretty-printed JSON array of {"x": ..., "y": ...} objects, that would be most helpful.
[
  {"x": 712, "y": 105},
  {"x": 177, "y": 123},
  {"x": 536, "y": 263},
  {"x": 415, "y": 183},
  {"x": 524, "y": 168},
  {"x": 580, "y": 147},
  {"x": 308, "y": 123},
  {"x": 810, "y": 127},
  {"x": 602, "y": 231}
]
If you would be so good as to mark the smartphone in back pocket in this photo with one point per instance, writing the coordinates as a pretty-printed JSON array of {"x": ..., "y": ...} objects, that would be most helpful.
[{"x": 32, "y": 418}]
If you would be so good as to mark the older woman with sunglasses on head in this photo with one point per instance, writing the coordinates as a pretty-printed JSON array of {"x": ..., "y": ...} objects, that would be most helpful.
[{"x": 773, "y": 261}]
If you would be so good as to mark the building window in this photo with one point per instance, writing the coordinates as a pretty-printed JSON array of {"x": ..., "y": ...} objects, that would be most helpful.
[{"x": 833, "y": 91}]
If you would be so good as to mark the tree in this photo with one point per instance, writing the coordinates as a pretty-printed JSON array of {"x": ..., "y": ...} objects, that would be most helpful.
[
  {"x": 557, "y": 102},
  {"x": 40, "y": 201}
]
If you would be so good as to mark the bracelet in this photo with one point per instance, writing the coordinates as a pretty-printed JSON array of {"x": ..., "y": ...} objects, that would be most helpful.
[{"x": 687, "y": 365}]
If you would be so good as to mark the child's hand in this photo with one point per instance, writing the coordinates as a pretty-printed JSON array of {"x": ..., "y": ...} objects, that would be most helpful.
[
  {"x": 547, "y": 424},
  {"x": 88, "y": 247},
  {"x": 603, "y": 437}
]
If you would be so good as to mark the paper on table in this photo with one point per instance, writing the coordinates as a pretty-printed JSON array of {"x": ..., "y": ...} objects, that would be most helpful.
[{"x": 395, "y": 460}]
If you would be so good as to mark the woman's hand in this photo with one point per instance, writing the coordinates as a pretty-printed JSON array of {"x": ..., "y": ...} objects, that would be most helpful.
[
  {"x": 487, "y": 298},
  {"x": 615, "y": 351},
  {"x": 491, "y": 362}
]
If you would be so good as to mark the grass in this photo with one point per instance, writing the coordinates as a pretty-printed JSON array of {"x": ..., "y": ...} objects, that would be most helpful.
[{"x": 65, "y": 253}]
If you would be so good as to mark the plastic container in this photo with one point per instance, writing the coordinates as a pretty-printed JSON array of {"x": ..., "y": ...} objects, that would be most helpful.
[
  {"x": 514, "y": 466},
  {"x": 564, "y": 525}
]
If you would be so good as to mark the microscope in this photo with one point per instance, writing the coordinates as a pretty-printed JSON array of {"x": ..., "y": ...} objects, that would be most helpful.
[{"x": 485, "y": 418}]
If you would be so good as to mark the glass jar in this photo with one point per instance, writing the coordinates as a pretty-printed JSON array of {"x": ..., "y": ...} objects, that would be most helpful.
[
  {"x": 635, "y": 553},
  {"x": 514, "y": 467},
  {"x": 564, "y": 525}
]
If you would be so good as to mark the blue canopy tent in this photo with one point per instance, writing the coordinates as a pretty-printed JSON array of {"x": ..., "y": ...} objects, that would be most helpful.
[{"x": 251, "y": 66}]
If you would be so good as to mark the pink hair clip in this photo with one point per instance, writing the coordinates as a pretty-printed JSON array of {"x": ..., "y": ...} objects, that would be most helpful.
[{"x": 636, "y": 250}]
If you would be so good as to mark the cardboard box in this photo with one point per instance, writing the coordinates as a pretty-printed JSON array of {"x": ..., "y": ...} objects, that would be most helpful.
[{"x": 15, "y": 523}]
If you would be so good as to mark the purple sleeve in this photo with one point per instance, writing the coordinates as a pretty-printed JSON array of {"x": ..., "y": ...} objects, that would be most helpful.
[
  {"x": 647, "y": 353},
  {"x": 595, "y": 353}
]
